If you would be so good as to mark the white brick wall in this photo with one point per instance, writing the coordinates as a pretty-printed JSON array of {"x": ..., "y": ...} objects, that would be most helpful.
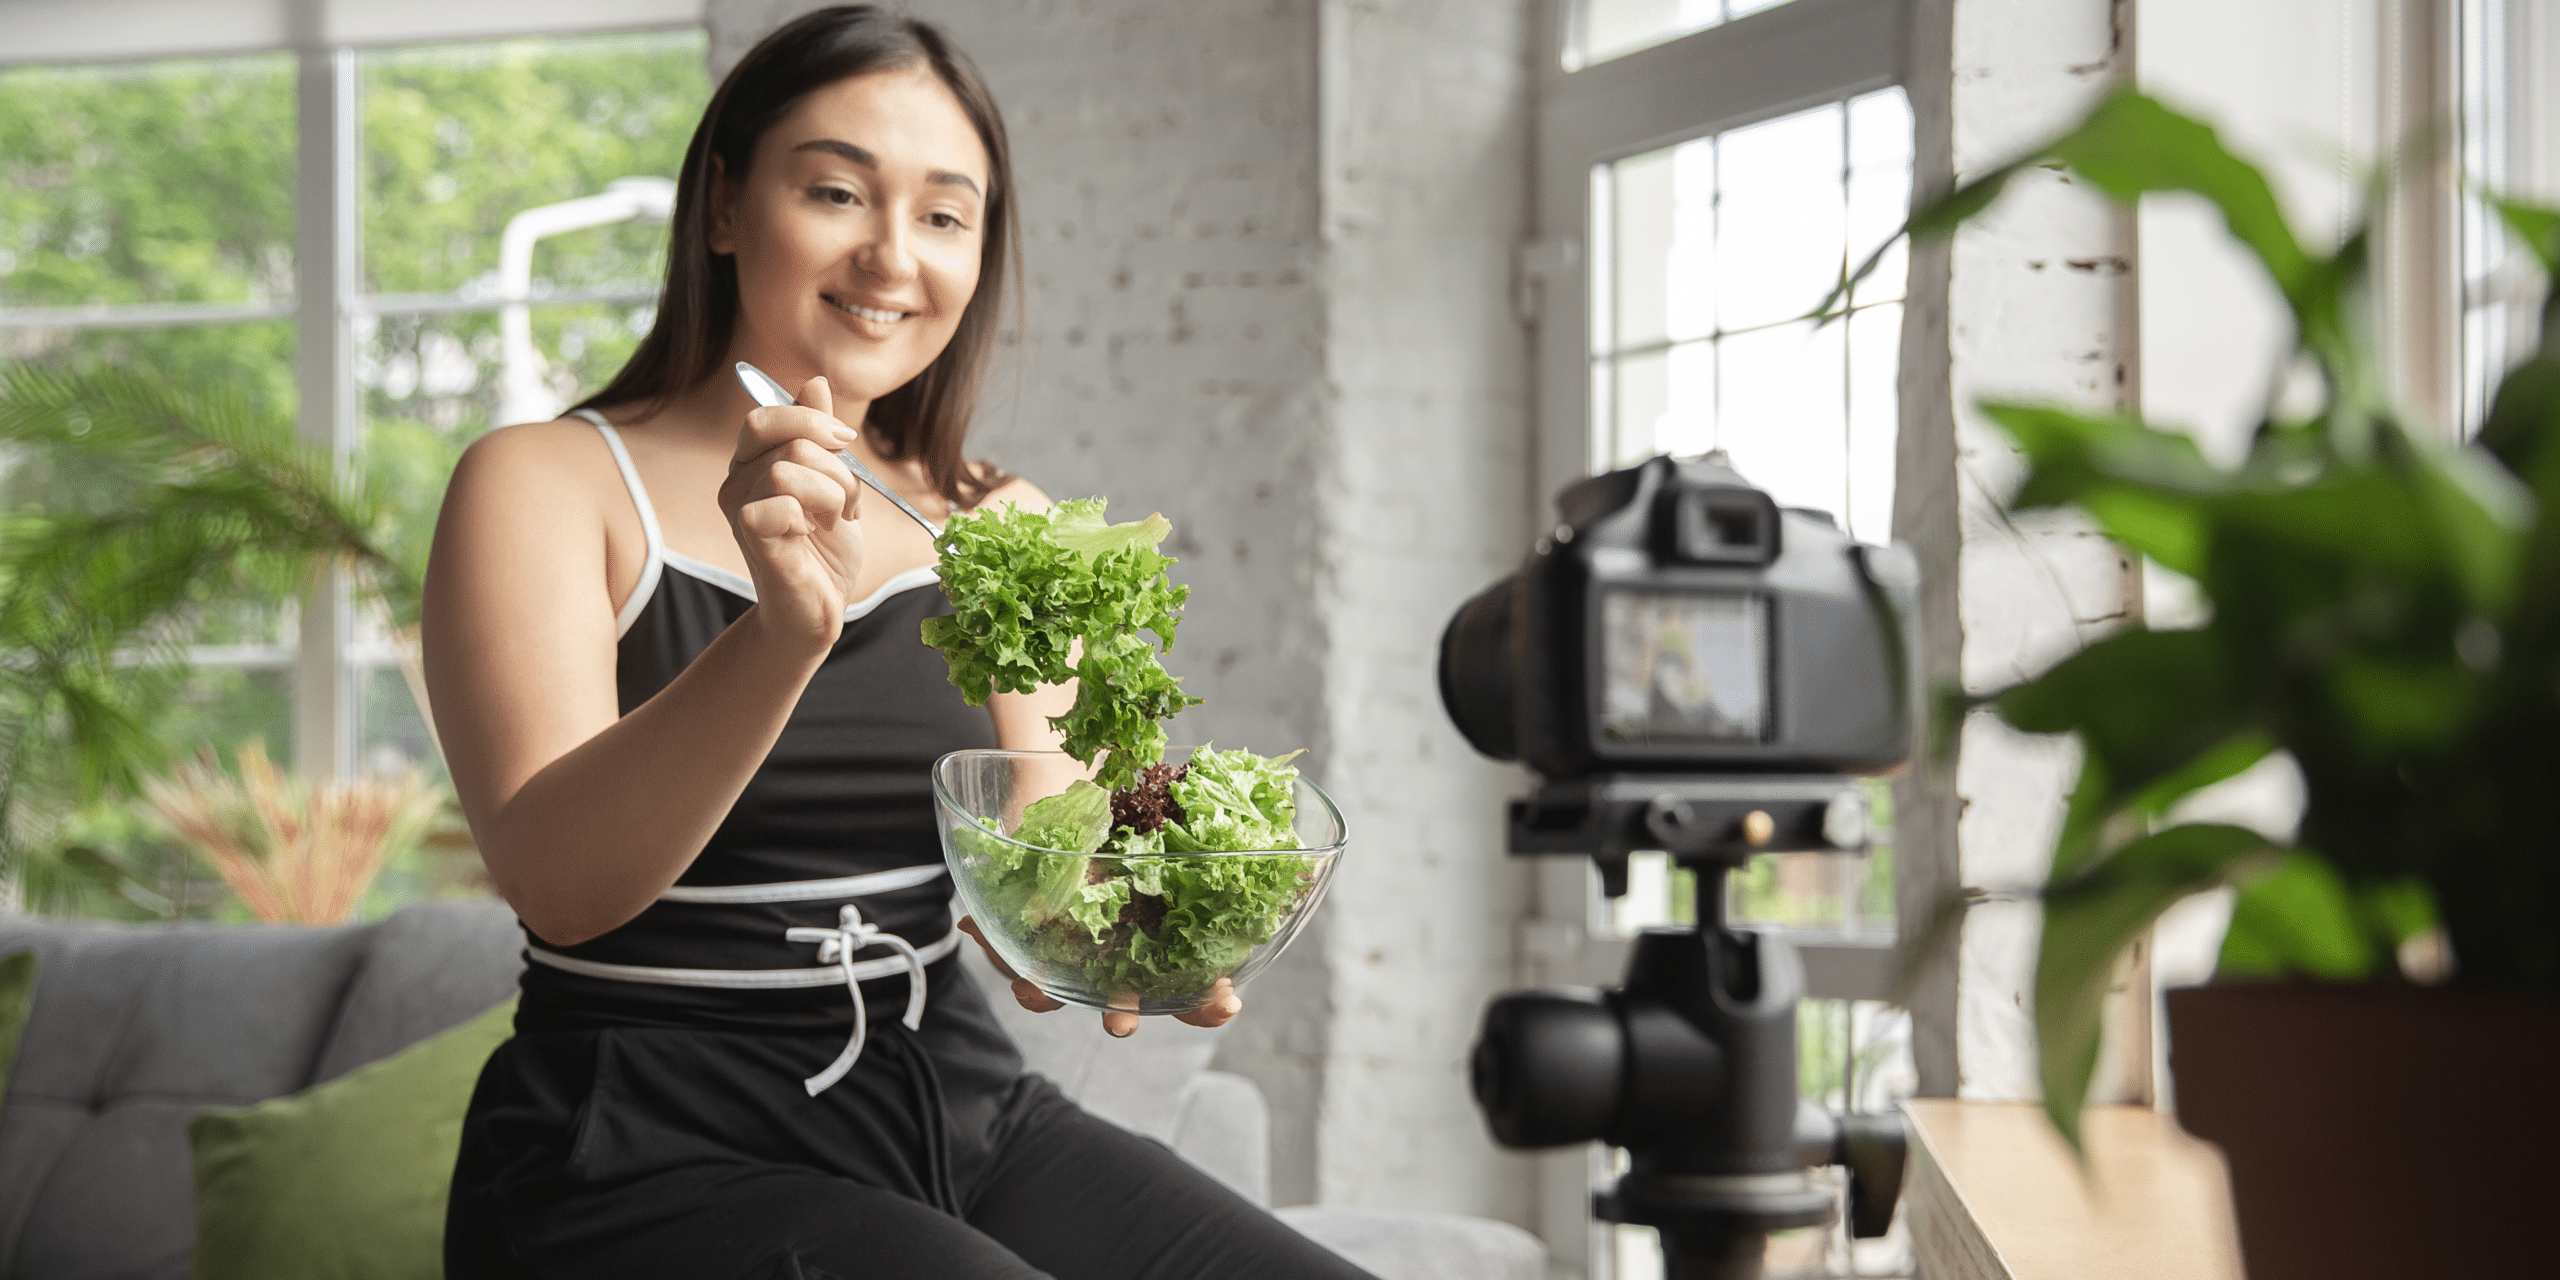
[
  {"x": 2033, "y": 301},
  {"x": 1425, "y": 159}
]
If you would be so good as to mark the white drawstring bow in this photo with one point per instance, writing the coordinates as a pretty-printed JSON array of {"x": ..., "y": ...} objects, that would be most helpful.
[{"x": 837, "y": 947}]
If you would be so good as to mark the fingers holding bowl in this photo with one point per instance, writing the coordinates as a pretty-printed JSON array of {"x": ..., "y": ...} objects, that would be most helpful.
[
  {"x": 1025, "y": 993},
  {"x": 1222, "y": 1007}
]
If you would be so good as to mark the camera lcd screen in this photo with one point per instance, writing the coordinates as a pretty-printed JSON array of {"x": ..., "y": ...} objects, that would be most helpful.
[{"x": 1683, "y": 667}]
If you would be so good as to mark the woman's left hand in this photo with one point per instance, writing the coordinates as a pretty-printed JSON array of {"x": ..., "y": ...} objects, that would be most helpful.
[{"x": 1223, "y": 1003}]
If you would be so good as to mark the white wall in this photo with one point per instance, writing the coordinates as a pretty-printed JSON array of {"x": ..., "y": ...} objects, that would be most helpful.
[
  {"x": 1425, "y": 194},
  {"x": 2032, "y": 301},
  {"x": 1270, "y": 250}
]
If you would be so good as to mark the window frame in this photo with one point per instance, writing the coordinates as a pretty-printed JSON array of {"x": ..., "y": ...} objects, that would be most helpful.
[{"x": 334, "y": 654}]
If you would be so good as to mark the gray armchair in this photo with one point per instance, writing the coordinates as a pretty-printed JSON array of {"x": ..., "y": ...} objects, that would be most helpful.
[{"x": 136, "y": 1028}]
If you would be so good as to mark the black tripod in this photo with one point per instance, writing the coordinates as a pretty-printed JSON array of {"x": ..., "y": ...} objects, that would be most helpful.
[{"x": 1690, "y": 1063}]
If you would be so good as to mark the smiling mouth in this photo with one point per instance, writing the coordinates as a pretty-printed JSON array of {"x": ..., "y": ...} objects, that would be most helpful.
[{"x": 882, "y": 317}]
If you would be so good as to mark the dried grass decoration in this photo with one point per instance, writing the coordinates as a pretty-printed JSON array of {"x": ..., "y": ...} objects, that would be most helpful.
[{"x": 291, "y": 852}]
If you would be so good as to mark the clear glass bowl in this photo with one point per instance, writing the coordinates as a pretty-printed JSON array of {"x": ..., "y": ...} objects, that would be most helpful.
[{"x": 1214, "y": 915}]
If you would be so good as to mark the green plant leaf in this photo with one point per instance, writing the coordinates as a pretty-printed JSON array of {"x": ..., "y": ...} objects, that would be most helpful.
[
  {"x": 2525, "y": 417},
  {"x": 2141, "y": 484},
  {"x": 1933, "y": 219},
  {"x": 2479, "y": 513},
  {"x": 2397, "y": 910},
  {"x": 2088, "y": 920},
  {"x": 2296, "y": 919},
  {"x": 2132, "y": 146},
  {"x": 2536, "y": 226},
  {"x": 2147, "y": 706},
  {"x": 2396, "y": 705}
]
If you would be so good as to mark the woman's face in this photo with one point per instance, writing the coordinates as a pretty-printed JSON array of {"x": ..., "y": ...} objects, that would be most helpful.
[{"x": 857, "y": 234}]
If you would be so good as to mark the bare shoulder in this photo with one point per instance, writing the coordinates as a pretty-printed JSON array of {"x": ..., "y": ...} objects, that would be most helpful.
[
  {"x": 553, "y": 450},
  {"x": 1018, "y": 491},
  {"x": 559, "y": 459}
]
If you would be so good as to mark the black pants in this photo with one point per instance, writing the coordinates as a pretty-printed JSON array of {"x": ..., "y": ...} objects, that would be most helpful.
[{"x": 626, "y": 1153}]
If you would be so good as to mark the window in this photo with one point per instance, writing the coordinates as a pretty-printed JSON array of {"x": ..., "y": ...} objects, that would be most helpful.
[
  {"x": 147, "y": 219},
  {"x": 321, "y": 229},
  {"x": 1614, "y": 28},
  {"x": 1709, "y": 255},
  {"x": 2510, "y": 146},
  {"x": 1695, "y": 204}
]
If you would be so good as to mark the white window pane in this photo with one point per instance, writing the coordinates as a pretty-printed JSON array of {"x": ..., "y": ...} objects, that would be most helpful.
[
  {"x": 1880, "y": 130},
  {"x": 147, "y": 182},
  {"x": 1603, "y": 436},
  {"x": 1779, "y": 218},
  {"x": 1690, "y": 303},
  {"x": 1781, "y": 409},
  {"x": 1875, "y": 366},
  {"x": 1643, "y": 396},
  {"x": 1642, "y": 215},
  {"x": 1688, "y": 422},
  {"x": 1879, "y": 189},
  {"x": 1613, "y": 28},
  {"x": 1602, "y": 308},
  {"x": 1647, "y": 903},
  {"x": 1818, "y": 891}
]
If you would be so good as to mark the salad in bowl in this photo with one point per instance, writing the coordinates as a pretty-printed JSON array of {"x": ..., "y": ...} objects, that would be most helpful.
[{"x": 1114, "y": 873}]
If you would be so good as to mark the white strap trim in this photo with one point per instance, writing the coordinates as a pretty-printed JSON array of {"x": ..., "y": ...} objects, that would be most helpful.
[
  {"x": 731, "y": 581},
  {"x": 737, "y": 585},
  {"x": 809, "y": 890},
  {"x": 652, "y": 567},
  {"x": 836, "y": 946},
  {"x": 745, "y": 979}
]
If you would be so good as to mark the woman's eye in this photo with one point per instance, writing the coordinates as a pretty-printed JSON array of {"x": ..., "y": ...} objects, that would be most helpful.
[
  {"x": 945, "y": 222},
  {"x": 831, "y": 195}
]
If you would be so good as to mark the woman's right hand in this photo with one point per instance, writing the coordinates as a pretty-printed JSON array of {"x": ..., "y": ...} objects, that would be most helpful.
[{"x": 793, "y": 507}]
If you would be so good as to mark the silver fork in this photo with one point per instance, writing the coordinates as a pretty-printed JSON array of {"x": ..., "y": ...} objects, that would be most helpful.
[{"x": 762, "y": 389}]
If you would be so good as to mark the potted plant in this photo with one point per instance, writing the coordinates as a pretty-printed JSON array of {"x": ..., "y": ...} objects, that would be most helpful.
[
  {"x": 158, "y": 506},
  {"x": 2385, "y": 609}
]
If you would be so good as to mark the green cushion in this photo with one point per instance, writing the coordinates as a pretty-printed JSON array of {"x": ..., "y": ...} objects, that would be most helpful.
[
  {"x": 344, "y": 1179},
  {"x": 17, "y": 995}
]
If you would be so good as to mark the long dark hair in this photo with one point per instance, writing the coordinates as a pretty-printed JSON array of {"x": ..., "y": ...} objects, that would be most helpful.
[{"x": 928, "y": 418}]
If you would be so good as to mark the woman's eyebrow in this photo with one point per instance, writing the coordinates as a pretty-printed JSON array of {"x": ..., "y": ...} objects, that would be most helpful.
[{"x": 867, "y": 160}]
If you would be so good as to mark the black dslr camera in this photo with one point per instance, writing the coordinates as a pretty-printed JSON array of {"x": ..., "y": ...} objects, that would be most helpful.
[{"x": 1690, "y": 668}]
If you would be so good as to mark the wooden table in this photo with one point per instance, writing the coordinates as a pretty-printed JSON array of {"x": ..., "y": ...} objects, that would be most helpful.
[{"x": 1992, "y": 1194}]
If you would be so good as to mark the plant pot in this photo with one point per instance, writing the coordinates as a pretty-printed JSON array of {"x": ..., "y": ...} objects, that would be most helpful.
[{"x": 2376, "y": 1131}]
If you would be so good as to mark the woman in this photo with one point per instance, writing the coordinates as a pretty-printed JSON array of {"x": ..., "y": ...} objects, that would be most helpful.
[{"x": 675, "y": 665}]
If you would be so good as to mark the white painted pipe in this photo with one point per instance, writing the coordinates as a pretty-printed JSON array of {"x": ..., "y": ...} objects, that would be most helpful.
[{"x": 523, "y": 394}]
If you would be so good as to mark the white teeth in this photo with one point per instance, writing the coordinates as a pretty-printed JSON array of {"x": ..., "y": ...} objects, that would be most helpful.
[{"x": 883, "y": 317}]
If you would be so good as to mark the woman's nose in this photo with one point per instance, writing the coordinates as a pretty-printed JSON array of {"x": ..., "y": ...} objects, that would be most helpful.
[{"x": 885, "y": 254}]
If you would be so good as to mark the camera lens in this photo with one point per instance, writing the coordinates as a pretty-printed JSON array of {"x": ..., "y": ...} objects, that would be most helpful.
[{"x": 1475, "y": 672}]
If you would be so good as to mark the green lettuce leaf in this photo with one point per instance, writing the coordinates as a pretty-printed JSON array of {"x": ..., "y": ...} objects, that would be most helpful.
[
  {"x": 1097, "y": 906},
  {"x": 1027, "y": 587},
  {"x": 1235, "y": 800},
  {"x": 1018, "y": 883},
  {"x": 1075, "y": 820}
]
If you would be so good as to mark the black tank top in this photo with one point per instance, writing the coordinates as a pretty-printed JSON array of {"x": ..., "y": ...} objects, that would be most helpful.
[{"x": 845, "y": 791}]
